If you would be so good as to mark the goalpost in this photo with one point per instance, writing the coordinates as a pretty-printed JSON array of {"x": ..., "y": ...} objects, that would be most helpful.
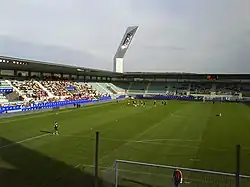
[{"x": 131, "y": 173}]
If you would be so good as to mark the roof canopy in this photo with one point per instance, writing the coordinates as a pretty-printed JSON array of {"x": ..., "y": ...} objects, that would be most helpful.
[
  {"x": 10, "y": 63},
  {"x": 45, "y": 67},
  {"x": 184, "y": 75}
]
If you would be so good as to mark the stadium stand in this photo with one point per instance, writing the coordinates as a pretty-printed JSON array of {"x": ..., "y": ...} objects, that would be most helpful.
[
  {"x": 88, "y": 91},
  {"x": 123, "y": 86},
  {"x": 3, "y": 98},
  {"x": 227, "y": 89},
  {"x": 32, "y": 90},
  {"x": 157, "y": 88},
  {"x": 138, "y": 87},
  {"x": 64, "y": 89},
  {"x": 118, "y": 90},
  {"x": 83, "y": 83},
  {"x": 57, "y": 88},
  {"x": 4, "y": 84},
  {"x": 29, "y": 89},
  {"x": 244, "y": 89},
  {"x": 100, "y": 88},
  {"x": 178, "y": 89},
  {"x": 107, "y": 89},
  {"x": 201, "y": 88},
  {"x": 111, "y": 88}
]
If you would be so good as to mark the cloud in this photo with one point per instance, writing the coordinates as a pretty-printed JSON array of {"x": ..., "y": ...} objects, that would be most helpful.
[
  {"x": 62, "y": 55},
  {"x": 166, "y": 48},
  {"x": 174, "y": 35}
]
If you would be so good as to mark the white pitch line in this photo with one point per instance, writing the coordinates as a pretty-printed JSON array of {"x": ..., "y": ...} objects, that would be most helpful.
[
  {"x": 138, "y": 136},
  {"x": 106, "y": 168},
  {"x": 45, "y": 113},
  {"x": 25, "y": 140},
  {"x": 78, "y": 165},
  {"x": 195, "y": 159},
  {"x": 169, "y": 139},
  {"x": 128, "y": 141},
  {"x": 179, "y": 116},
  {"x": 134, "y": 141}
]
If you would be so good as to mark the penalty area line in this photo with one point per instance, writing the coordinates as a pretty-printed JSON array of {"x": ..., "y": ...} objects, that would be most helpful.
[
  {"x": 135, "y": 141},
  {"x": 170, "y": 139},
  {"x": 195, "y": 159},
  {"x": 174, "y": 143},
  {"x": 78, "y": 165},
  {"x": 24, "y": 140}
]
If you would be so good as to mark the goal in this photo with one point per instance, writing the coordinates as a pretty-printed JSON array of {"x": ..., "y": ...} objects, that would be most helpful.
[{"x": 137, "y": 174}]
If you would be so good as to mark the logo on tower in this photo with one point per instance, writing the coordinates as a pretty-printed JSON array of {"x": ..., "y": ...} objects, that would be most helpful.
[
  {"x": 123, "y": 47},
  {"x": 127, "y": 41}
]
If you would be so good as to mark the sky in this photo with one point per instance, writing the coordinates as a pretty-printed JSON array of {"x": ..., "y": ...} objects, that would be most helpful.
[{"x": 200, "y": 36}]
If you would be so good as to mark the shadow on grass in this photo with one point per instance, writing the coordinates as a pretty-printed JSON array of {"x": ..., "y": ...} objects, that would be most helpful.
[
  {"x": 33, "y": 169},
  {"x": 48, "y": 132},
  {"x": 137, "y": 182},
  {"x": 247, "y": 104}
]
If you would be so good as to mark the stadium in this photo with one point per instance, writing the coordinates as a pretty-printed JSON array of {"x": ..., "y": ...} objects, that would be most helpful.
[{"x": 116, "y": 128}]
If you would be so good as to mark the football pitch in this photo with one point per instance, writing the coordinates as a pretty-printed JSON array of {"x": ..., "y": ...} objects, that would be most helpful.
[{"x": 181, "y": 133}]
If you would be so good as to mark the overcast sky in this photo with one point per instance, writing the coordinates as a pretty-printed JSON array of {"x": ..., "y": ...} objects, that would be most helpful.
[{"x": 203, "y": 36}]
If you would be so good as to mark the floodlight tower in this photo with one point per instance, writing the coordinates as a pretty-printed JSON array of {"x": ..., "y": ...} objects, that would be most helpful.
[{"x": 122, "y": 49}]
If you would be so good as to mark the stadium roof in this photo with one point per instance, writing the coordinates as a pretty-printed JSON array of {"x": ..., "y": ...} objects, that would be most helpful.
[
  {"x": 184, "y": 75},
  {"x": 10, "y": 63}
]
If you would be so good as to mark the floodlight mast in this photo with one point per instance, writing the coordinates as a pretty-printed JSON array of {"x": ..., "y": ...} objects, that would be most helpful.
[{"x": 122, "y": 49}]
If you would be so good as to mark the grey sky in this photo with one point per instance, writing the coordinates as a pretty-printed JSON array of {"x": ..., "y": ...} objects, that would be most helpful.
[{"x": 204, "y": 36}]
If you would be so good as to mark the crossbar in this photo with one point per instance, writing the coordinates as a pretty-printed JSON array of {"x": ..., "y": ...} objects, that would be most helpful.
[{"x": 175, "y": 167}]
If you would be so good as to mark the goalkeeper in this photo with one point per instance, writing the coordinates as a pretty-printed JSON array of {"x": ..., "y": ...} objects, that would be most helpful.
[{"x": 177, "y": 178}]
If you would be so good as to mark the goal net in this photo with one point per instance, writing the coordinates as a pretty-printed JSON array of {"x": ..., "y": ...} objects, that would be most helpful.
[{"x": 137, "y": 174}]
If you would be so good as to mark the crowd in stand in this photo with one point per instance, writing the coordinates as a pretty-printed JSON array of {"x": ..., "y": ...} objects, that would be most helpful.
[
  {"x": 200, "y": 88},
  {"x": 227, "y": 89},
  {"x": 244, "y": 87},
  {"x": 30, "y": 89},
  {"x": 69, "y": 90},
  {"x": 85, "y": 91},
  {"x": 54, "y": 89},
  {"x": 181, "y": 89},
  {"x": 59, "y": 89}
]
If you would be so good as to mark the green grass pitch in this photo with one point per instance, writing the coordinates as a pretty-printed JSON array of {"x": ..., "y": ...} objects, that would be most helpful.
[{"x": 184, "y": 134}]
